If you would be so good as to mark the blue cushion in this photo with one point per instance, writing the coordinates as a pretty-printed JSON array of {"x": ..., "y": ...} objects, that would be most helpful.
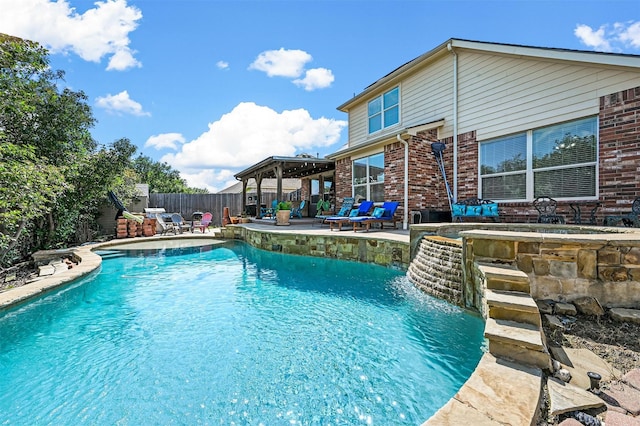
[
  {"x": 343, "y": 211},
  {"x": 490, "y": 209},
  {"x": 354, "y": 213},
  {"x": 378, "y": 212},
  {"x": 458, "y": 209},
  {"x": 473, "y": 211}
]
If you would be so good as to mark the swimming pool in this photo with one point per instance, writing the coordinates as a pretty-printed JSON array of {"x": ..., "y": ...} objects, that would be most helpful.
[{"x": 230, "y": 334}]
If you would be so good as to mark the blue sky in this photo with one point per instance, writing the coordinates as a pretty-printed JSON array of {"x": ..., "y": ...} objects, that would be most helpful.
[{"x": 212, "y": 87}]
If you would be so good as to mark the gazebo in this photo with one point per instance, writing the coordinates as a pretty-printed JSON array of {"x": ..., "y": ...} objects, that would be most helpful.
[{"x": 280, "y": 168}]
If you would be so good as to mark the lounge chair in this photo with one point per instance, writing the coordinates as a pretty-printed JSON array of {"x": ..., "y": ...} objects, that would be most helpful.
[
  {"x": 297, "y": 211},
  {"x": 347, "y": 206},
  {"x": 179, "y": 223},
  {"x": 204, "y": 223},
  {"x": 362, "y": 210},
  {"x": 380, "y": 215},
  {"x": 162, "y": 226}
]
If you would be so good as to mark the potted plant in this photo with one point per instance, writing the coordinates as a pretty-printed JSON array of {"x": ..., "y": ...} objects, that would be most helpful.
[{"x": 283, "y": 211}]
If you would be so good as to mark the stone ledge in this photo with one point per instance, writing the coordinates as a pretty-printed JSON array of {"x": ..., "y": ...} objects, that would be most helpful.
[{"x": 495, "y": 384}]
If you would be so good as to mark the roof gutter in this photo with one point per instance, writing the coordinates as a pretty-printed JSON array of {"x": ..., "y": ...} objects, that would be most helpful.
[
  {"x": 405, "y": 214},
  {"x": 455, "y": 121}
]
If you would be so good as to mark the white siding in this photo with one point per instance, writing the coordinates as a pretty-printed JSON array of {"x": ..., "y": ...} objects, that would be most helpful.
[
  {"x": 500, "y": 95},
  {"x": 425, "y": 96},
  {"x": 497, "y": 94}
]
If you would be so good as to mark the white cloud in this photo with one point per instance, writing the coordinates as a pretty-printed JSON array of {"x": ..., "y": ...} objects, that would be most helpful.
[
  {"x": 610, "y": 38},
  {"x": 317, "y": 78},
  {"x": 165, "y": 140},
  {"x": 98, "y": 32},
  {"x": 223, "y": 65},
  {"x": 281, "y": 63},
  {"x": 121, "y": 104},
  {"x": 631, "y": 34},
  {"x": 212, "y": 180},
  {"x": 592, "y": 38},
  {"x": 250, "y": 133}
]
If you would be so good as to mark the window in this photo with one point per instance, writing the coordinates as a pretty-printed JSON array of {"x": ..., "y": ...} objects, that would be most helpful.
[
  {"x": 368, "y": 177},
  {"x": 384, "y": 111},
  {"x": 558, "y": 161}
]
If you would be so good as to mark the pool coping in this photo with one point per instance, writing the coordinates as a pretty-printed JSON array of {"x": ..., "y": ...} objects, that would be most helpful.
[{"x": 490, "y": 385}]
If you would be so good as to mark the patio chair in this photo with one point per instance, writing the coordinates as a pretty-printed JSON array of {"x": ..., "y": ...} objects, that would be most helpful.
[
  {"x": 347, "y": 205},
  {"x": 204, "y": 223},
  {"x": 546, "y": 207},
  {"x": 362, "y": 210},
  {"x": 380, "y": 215},
  {"x": 629, "y": 220},
  {"x": 179, "y": 223},
  {"x": 297, "y": 211},
  {"x": 163, "y": 227},
  {"x": 271, "y": 212}
]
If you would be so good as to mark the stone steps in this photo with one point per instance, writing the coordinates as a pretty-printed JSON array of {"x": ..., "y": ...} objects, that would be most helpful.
[{"x": 513, "y": 327}]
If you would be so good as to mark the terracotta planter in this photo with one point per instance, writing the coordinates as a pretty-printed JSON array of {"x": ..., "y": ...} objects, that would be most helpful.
[{"x": 282, "y": 217}]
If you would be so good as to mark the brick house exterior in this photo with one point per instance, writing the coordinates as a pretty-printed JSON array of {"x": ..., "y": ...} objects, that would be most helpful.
[{"x": 512, "y": 96}]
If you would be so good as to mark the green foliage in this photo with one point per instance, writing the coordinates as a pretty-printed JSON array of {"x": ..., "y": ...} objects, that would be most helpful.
[
  {"x": 322, "y": 206},
  {"x": 161, "y": 178},
  {"x": 53, "y": 176},
  {"x": 284, "y": 205}
]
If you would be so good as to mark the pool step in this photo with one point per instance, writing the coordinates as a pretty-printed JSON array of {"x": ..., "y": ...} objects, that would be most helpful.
[
  {"x": 513, "y": 306},
  {"x": 503, "y": 278},
  {"x": 517, "y": 341},
  {"x": 110, "y": 254}
]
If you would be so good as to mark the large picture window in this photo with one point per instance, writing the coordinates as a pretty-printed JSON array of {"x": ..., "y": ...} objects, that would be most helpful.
[
  {"x": 384, "y": 111},
  {"x": 368, "y": 177},
  {"x": 558, "y": 161}
]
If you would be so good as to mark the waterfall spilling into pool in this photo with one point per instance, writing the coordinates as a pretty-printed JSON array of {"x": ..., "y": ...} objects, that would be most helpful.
[{"x": 437, "y": 268}]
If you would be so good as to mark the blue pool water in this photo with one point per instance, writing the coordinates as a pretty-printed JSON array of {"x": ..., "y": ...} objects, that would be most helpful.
[{"x": 233, "y": 335}]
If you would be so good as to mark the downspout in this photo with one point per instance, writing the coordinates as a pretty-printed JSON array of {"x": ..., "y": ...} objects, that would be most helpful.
[
  {"x": 405, "y": 215},
  {"x": 455, "y": 121}
]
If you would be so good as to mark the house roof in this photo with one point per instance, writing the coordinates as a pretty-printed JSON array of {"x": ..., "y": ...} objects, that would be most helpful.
[
  {"x": 601, "y": 58},
  {"x": 268, "y": 185},
  {"x": 292, "y": 167}
]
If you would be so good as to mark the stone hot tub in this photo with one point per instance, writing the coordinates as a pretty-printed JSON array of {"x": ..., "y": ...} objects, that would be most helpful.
[{"x": 563, "y": 262}]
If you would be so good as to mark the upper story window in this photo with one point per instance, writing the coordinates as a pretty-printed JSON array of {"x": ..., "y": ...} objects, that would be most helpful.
[
  {"x": 384, "y": 111},
  {"x": 558, "y": 161}
]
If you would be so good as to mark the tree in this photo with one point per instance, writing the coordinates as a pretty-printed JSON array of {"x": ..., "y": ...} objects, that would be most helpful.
[{"x": 161, "y": 177}]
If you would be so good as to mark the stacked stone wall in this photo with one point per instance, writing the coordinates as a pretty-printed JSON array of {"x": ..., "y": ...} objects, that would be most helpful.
[
  {"x": 566, "y": 267},
  {"x": 388, "y": 253}
]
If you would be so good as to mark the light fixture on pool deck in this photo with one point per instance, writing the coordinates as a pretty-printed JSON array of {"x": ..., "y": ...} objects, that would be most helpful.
[{"x": 594, "y": 379}]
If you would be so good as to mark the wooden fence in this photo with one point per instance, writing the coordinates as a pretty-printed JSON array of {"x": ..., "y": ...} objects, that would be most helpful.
[{"x": 186, "y": 204}]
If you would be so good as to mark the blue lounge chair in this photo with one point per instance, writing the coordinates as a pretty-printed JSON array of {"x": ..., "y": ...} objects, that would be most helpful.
[
  {"x": 380, "y": 215},
  {"x": 362, "y": 210},
  {"x": 297, "y": 211},
  {"x": 347, "y": 205}
]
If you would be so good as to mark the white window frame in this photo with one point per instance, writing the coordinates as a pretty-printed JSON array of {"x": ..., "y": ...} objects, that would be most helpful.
[
  {"x": 383, "y": 110},
  {"x": 530, "y": 172},
  {"x": 368, "y": 179}
]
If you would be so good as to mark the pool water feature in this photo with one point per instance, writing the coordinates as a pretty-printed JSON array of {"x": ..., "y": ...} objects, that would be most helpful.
[{"x": 234, "y": 335}]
